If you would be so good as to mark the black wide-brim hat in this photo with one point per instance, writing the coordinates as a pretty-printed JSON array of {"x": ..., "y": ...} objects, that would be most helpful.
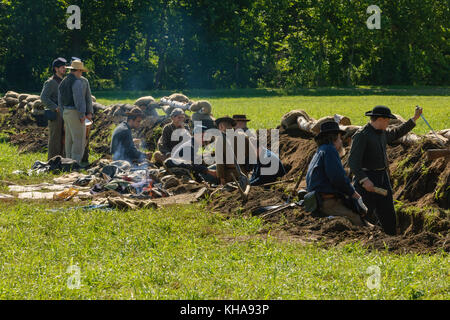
[
  {"x": 240, "y": 117},
  {"x": 330, "y": 127},
  {"x": 225, "y": 119},
  {"x": 381, "y": 111}
]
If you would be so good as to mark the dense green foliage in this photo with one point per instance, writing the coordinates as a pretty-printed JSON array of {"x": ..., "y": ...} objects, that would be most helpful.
[{"x": 168, "y": 44}]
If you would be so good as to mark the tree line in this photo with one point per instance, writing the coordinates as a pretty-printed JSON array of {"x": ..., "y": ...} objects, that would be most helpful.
[{"x": 169, "y": 44}]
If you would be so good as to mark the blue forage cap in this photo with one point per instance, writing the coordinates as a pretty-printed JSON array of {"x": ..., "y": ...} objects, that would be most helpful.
[{"x": 59, "y": 62}]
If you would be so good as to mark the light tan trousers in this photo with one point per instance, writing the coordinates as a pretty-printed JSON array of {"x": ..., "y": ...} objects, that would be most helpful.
[
  {"x": 335, "y": 207},
  {"x": 75, "y": 135}
]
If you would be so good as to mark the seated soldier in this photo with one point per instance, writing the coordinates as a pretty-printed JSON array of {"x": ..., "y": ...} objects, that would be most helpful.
[
  {"x": 165, "y": 142},
  {"x": 186, "y": 156},
  {"x": 240, "y": 122},
  {"x": 122, "y": 145},
  {"x": 267, "y": 169},
  {"x": 327, "y": 176},
  {"x": 229, "y": 158}
]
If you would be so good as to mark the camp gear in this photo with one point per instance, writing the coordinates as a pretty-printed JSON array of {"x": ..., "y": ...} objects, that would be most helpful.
[
  {"x": 330, "y": 127},
  {"x": 310, "y": 201},
  {"x": 381, "y": 111},
  {"x": 240, "y": 117},
  {"x": 77, "y": 65},
  {"x": 225, "y": 119},
  {"x": 439, "y": 140}
]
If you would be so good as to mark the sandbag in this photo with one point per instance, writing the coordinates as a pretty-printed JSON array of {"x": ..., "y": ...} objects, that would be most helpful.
[
  {"x": 2, "y": 103},
  {"x": 10, "y": 101},
  {"x": 396, "y": 122},
  {"x": 341, "y": 120},
  {"x": 202, "y": 107},
  {"x": 94, "y": 99},
  {"x": 32, "y": 98},
  {"x": 292, "y": 116},
  {"x": 179, "y": 97},
  {"x": 22, "y": 97},
  {"x": 144, "y": 101},
  {"x": 445, "y": 133},
  {"x": 408, "y": 139},
  {"x": 22, "y": 104},
  {"x": 303, "y": 124},
  {"x": 438, "y": 139},
  {"x": 12, "y": 94}
]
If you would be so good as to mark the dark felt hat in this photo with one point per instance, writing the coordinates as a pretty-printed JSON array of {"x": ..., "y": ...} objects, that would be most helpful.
[
  {"x": 330, "y": 127},
  {"x": 240, "y": 117},
  {"x": 135, "y": 112},
  {"x": 381, "y": 111},
  {"x": 225, "y": 119}
]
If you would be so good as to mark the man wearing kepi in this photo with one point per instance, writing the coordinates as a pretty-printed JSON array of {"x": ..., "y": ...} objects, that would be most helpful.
[
  {"x": 122, "y": 145},
  {"x": 166, "y": 142},
  {"x": 49, "y": 96},
  {"x": 326, "y": 175},
  {"x": 72, "y": 100},
  {"x": 369, "y": 164}
]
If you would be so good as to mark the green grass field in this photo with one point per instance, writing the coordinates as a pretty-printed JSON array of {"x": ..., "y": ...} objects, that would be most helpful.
[
  {"x": 266, "y": 107},
  {"x": 186, "y": 252}
]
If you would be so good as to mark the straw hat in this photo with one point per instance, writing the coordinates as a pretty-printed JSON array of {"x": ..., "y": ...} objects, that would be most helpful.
[{"x": 77, "y": 65}]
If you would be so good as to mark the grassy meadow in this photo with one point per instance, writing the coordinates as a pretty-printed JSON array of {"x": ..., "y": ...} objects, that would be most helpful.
[
  {"x": 266, "y": 107},
  {"x": 187, "y": 252}
]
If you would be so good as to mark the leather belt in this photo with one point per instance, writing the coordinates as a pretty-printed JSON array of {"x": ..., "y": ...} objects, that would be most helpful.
[
  {"x": 328, "y": 195},
  {"x": 381, "y": 169}
]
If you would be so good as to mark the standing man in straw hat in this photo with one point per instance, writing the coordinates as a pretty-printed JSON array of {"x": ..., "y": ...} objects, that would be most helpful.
[
  {"x": 368, "y": 162},
  {"x": 74, "y": 105},
  {"x": 122, "y": 145},
  {"x": 326, "y": 175},
  {"x": 49, "y": 96},
  {"x": 89, "y": 112}
]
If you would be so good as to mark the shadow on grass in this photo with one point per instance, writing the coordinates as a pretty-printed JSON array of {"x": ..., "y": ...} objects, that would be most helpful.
[{"x": 249, "y": 93}]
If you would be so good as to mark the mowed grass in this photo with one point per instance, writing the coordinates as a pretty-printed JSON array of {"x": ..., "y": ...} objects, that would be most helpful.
[
  {"x": 189, "y": 253},
  {"x": 266, "y": 107},
  {"x": 186, "y": 252}
]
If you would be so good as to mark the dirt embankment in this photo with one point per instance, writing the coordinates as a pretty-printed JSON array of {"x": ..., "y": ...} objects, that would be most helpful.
[{"x": 421, "y": 187}]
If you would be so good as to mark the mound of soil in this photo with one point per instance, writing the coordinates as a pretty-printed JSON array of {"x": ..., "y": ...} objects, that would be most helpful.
[{"x": 294, "y": 223}]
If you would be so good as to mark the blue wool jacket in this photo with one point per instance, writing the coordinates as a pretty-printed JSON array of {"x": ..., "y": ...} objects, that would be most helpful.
[{"x": 326, "y": 173}]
